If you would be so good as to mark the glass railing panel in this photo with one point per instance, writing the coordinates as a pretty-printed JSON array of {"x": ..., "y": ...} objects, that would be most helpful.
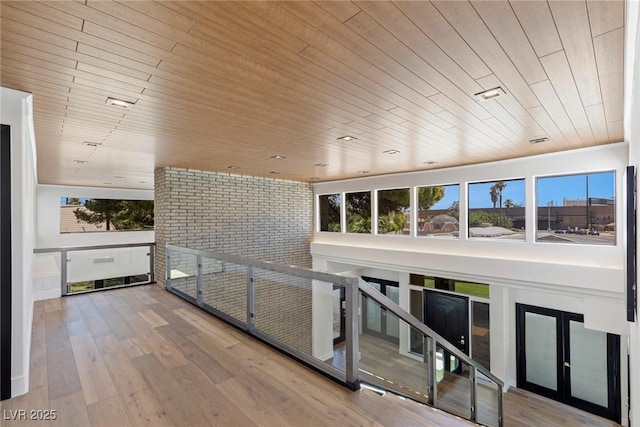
[
  {"x": 183, "y": 272},
  {"x": 283, "y": 308},
  {"x": 386, "y": 359},
  {"x": 224, "y": 287},
  {"x": 487, "y": 401},
  {"x": 88, "y": 270},
  {"x": 453, "y": 384},
  {"x": 329, "y": 324}
]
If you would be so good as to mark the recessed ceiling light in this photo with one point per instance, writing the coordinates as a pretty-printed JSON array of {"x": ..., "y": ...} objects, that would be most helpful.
[
  {"x": 430, "y": 162},
  {"x": 142, "y": 182},
  {"x": 321, "y": 165},
  {"x": 275, "y": 172},
  {"x": 119, "y": 177},
  {"x": 347, "y": 138},
  {"x": 92, "y": 144},
  {"x": 278, "y": 157},
  {"x": 233, "y": 167},
  {"x": 314, "y": 178},
  {"x": 391, "y": 152},
  {"x": 539, "y": 140},
  {"x": 80, "y": 162},
  {"x": 363, "y": 172},
  {"x": 490, "y": 94},
  {"x": 119, "y": 103},
  {"x": 107, "y": 183}
]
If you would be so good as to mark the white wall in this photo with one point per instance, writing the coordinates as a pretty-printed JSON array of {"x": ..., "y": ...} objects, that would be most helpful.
[
  {"x": 583, "y": 265},
  {"x": 584, "y": 279},
  {"x": 632, "y": 136},
  {"x": 47, "y": 281},
  {"x": 16, "y": 111},
  {"x": 587, "y": 270}
]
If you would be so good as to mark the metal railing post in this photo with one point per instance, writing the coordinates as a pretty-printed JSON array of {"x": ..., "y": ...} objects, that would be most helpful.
[
  {"x": 168, "y": 278},
  {"x": 199, "y": 280},
  {"x": 251, "y": 301},
  {"x": 431, "y": 374},
  {"x": 63, "y": 272},
  {"x": 473, "y": 392},
  {"x": 352, "y": 334},
  {"x": 152, "y": 263}
]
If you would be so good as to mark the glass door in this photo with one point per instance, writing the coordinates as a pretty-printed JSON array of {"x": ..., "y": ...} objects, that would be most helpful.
[
  {"x": 561, "y": 359},
  {"x": 376, "y": 320},
  {"x": 448, "y": 316},
  {"x": 591, "y": 368}
]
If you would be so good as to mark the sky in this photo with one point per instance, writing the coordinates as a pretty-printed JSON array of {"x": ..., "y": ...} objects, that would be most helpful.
[
  {"x": 551, "y": 189},
  {"x": 63, "y": 200}
]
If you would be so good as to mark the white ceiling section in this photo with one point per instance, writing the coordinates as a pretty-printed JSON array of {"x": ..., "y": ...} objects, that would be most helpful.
[{"x": 219, "y": 84}]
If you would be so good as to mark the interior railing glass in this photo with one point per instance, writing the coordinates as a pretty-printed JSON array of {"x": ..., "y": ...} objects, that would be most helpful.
[
  {"x": 93, "y": 268},
  {"x": 316, "y": 318}
]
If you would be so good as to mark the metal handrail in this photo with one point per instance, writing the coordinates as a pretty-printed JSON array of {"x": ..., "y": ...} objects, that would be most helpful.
[
  {"x": 349, "y": 283},
  {"x": 353, "y": 287},
  {"x": 90, "y": 248},
  {"x": 293, "y": 270},
  {"x": 437, "y": 339},
  {"x": 394, "y": 308},
  {"x": 66, "y": 249}
]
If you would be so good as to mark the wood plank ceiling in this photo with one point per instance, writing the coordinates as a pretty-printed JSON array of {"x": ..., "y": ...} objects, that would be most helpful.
[{"x": 220, "y": 84}]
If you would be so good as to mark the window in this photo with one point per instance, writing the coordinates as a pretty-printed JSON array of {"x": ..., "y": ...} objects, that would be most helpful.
[
  {"x": 81, "y": 215},
  {"x": 461, "y": 287},
  {"x": 576, "y": 209},
  {"x": 438, "y": 211},
  {"x": 394, "y": 212},
  {"x": 496, "y": 210},
  {"x": 358, "y": 212},
  {"x": 330, "y": 212}
]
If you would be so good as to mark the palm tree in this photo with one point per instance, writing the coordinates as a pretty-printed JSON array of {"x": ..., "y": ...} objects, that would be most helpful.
[
  {"x": 494, "y": 196},
  {"x": 500, "y": 185}
]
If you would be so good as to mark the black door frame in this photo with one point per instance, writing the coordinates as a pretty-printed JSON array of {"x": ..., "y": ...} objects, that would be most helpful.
[
  {"x": 5, "y": 262},
  {"x": 464, "y": 347},
  {"x": 383, "y": 312},
  {"x": 563, "y": 394}
]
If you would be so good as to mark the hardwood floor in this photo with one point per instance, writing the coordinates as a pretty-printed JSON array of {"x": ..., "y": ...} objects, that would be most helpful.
[
  {"x": 406, "y": 375},
  {"x": 381, "y": 364},
  {"x": 143, "y": 357}
]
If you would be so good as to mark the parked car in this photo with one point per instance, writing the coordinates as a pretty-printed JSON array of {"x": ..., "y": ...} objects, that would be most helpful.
[
  {"x": 593, "y": 233},
  {"x": 560, "y": 231}
]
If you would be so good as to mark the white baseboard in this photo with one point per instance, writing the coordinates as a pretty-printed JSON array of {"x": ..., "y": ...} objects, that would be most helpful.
[
  {"x": 325, "y": 357},
  {"x": 19, "y": 386},
  {"x": 47, "y": 294}
]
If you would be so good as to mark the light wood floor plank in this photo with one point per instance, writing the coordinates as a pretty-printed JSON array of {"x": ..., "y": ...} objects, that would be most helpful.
[
  {"x": 103, "y": 413},
  {"x": 224, "y": 338},
  {"x": 198, "y": 371},
  {"x": 181, "y": 409},
  {"x": 141, "y": 405},
  {"x": 96, "y": 382},
  {"x": 217, "y": 406},
  {"x": 152, "y": 318},
  {"x": 260, "y": 412},
  {"x": 207, "y": 364}
]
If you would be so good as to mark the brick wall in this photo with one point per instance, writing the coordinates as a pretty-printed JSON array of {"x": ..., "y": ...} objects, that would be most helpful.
[{"x": 261, "y": 218}]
